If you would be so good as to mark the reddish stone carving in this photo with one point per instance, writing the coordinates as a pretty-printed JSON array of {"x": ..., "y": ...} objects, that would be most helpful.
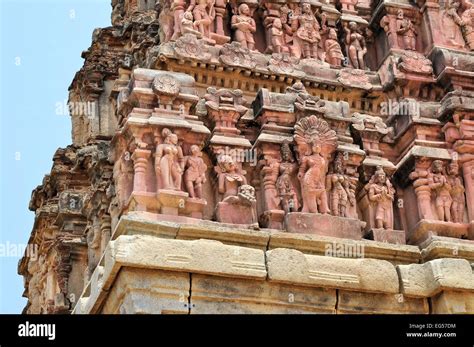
[
  {"x": 178, "y": 9},
  {"x": 407, "y": 30},
  {"x": 334, "y": 54},
  {"x": 457, "y": 193},
  {"x": 315, "y": 140},
  {"x": 234, "y": 54},
  {"x": 169, "y": 162},
  {"x": 284, "y": 184},
  {"x": 462, "y": 12},
  {"x": 381, "y": 195},
  {"x": 308, "y": 32},
  {"x": 439, "y": 185},
  {"x": 340, "y": 188},
  {"x": 244, "y": 27},
  {"x": 195, "y": 174},
  {"x": 356, "y": 44},
  {"x": 204, "y": 13},
  {"x": 188, "y": 46}
]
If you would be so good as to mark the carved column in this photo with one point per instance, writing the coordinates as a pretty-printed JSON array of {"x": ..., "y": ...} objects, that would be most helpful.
[{"x": 140, "y": 161}]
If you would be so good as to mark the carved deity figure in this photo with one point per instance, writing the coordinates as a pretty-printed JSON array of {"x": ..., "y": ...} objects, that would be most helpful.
[
  {"x": 457, "y": 193},
  {"x": 348, "y": 5},
  {"x": 407, "y": 30},
  {"x": 229, "y": 177},
  {"x": 178, "y": 9},
  {"x": 244, "y": 26},
  {"x": 451, "y": 15},
  {"x": 467, "y": 17},
  {"x": 381, "y": 194},
  {"x": 188, "y": 25},
  {"x": 312, "y": 135},
  {"x": 277, "y": 36},
  {"x": 289, "y": 26},
  {"x": 333, "y": 50},
  {"x": 308, "y": 32},
  {"x": 285, "y": 188},
  {"x": 195, "y": 174},
  {"x": 204, "y": 15},
  {"x": 439, "y": 185},
  {"x": 169, "y": 162},
  {"x": 339, "y": 186},
  {"x": 356, "y": 46}
]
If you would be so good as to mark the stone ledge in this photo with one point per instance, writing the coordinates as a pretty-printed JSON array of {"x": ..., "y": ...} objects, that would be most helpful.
[
  {"x": 264, "y": 239},
  {"x": 199, "y": 256},
  {"x": 435, "y": 276},
  {"x": 446, "y": 247},
  {"x": 367, "y": 275},
  {"x": 318, "y": 245}
]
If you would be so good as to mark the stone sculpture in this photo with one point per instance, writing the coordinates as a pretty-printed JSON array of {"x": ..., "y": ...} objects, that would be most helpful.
[
  {"x": 457, "y": 193},
  {"x": 381, "y": 194},
  {"x": 284, "y": 184},
  {"x": 407, "y": 30},
  {"x": 440, "y": 187},
  {"x": 244, "y": 27},
  {"x": 314, "y": 138},
  {"x": 356, "y": 46},
  {"x": 169, "y": 162},
  {"x": 308, "y": 32},
  {"x": 334, "y": 54},
  {"x": 195, "y": 174},
  {"x": 340, "y": 188}
]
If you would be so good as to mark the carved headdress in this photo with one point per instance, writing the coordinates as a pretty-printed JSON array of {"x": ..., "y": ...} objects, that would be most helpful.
[{"x": 313, "y": 130}]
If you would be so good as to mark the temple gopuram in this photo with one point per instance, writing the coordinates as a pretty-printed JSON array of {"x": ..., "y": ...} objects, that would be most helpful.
[{"x": 275, "y": 156}]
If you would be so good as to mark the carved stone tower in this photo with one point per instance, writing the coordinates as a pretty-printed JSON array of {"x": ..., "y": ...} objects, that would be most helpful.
[{"x": 311, "y": 156}]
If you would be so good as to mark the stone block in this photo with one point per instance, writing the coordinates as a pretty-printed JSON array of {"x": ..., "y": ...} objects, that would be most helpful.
[
  {"x": 324, "y": 225},
  {"x": 367, "y": 275},
  {"x": 435, "y": 276}
]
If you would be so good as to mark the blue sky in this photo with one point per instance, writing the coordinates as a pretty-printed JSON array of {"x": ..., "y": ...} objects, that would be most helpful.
[{"x": 40, "y": 51}]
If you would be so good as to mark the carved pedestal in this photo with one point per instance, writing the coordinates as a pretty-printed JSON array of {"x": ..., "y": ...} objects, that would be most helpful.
[
  {"x": 273, "y": 219},
  {"x": 388, "y": 236},
  {"x": 324, "y": 225},
  {"x": 427, "y": 228},
  {"x": 236, "y": 214}
]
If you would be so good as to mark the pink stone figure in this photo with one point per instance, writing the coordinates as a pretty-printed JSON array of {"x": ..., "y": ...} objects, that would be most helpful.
[
  {"x": 381, "y": 193},
  {"x": 204, "y": 15},
  {"x": 277, "y": 36},
  {"x": 177, "y": 8},
  {"x": 188, "y": 25},
  {"x": 407, "y": 30},
  {"x": 333, "y": 50},
  {"x": 348, "y": 5},
  {"x": 244, "y": 27},
  {"x": 462, "y": 12},
  {"x": 229, "y": 178},
  {"x": 355, "y": 42},
  {"x": 284, "y": 184},
  {"x": 311, "y": 175},
  {"x": 195, "y": 174},
  {"x": 439, "y": 185},
  {"x": 339, "y": 186},
  {"x": 169, "y": 162},
  {"x": 457, "y": 193},
  {"x": 289, "y": 25},
  {"x": 308, "y": 32}
]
